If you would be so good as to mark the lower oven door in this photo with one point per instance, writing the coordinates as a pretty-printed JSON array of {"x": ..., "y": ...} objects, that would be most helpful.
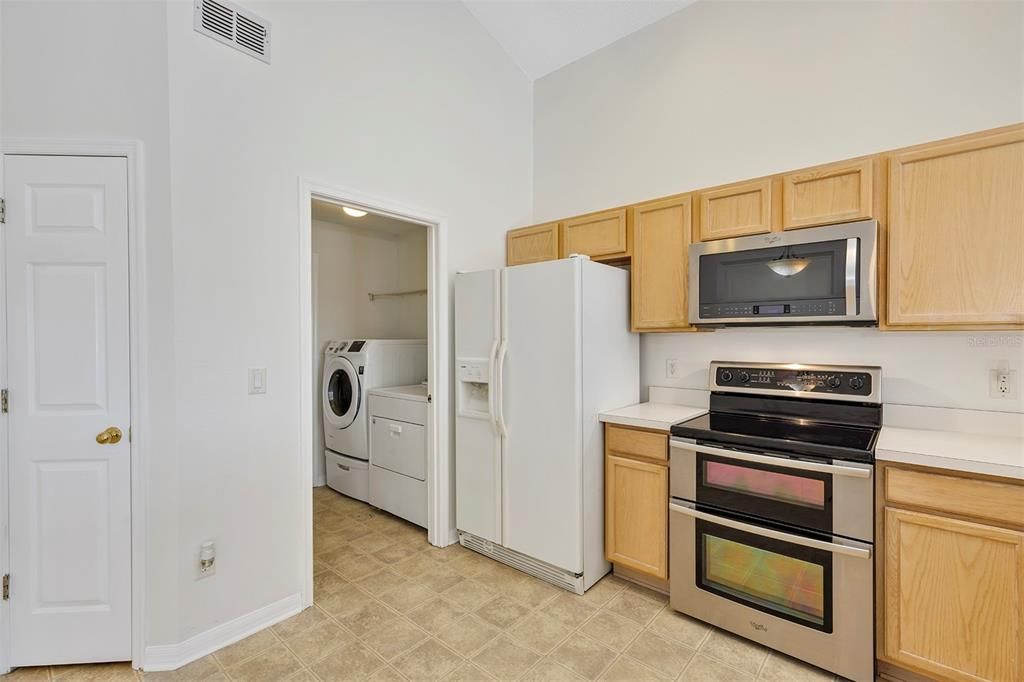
[
  {"x": 809, "y": 597},
  {"x": 835, "y": 498}
]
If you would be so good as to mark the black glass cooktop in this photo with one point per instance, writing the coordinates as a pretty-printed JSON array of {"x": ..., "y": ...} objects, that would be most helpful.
[{"x": 784, "y": 435}]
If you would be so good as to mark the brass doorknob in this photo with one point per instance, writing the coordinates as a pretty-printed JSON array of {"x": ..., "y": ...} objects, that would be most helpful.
[{"x": 109, "y": 436}]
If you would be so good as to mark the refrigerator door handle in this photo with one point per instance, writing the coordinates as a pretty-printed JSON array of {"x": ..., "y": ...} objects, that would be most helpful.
[
  {"x": 492, "y": 398},
  {"x": 499, "y": 375}
]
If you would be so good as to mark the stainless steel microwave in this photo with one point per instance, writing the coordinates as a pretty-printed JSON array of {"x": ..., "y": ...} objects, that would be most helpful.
[{"x": 818, "y": 275}]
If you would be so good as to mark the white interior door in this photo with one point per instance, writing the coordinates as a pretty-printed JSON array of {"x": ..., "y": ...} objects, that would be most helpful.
[{"x": 66, "y": 266}]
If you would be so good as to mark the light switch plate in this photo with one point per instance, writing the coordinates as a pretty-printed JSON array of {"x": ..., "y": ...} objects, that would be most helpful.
[{"x": 257, "y": 380}]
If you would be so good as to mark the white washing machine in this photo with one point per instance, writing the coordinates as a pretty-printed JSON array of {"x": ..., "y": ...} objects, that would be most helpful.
[{"x": 351, "y": 369}]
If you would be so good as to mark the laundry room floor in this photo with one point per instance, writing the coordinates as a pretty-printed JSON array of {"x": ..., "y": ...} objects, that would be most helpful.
[{"x": 389, "y": 606}]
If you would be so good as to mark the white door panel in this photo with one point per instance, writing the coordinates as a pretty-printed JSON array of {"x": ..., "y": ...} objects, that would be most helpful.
[
  {"x": 541, "y": 405},
  {"x": 66, "y": 268}
]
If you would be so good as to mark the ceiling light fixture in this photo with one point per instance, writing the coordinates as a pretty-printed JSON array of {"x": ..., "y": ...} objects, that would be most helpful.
[
  {"x": 787, "y": 264},
  {"x": 354, "y": 212}
]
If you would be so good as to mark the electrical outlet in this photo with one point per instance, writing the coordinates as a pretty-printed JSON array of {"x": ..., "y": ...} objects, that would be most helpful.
[
  {"x": 257, "y": 381},
  {"x": 206, "y": 562},
  {"x": 1002, "y": 382},
  {"x": 671, "y": 368}
]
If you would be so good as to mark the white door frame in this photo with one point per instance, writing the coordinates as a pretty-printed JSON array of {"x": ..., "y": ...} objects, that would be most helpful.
[
  {"x": 132, "y": 151},
  {"x": 439, "y": 468}
]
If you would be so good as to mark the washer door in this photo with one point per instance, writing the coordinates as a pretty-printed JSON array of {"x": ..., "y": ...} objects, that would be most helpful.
[{"x": 342, "y": 392}]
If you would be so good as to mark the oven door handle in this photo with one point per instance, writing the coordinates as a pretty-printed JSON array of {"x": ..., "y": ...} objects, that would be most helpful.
[
  {"x": 835, "y": 469},
  {"x": 856, "y": 552}
]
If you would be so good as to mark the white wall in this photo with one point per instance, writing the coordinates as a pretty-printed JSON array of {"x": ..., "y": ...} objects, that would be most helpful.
[
  {"x": 411, "y": 102},
  {"x": 350, "y": 262},
  {"x": 723, "y": 91}
]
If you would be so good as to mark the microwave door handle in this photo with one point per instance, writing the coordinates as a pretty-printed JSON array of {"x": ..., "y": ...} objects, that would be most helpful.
[
  {"x": 856, "y": 552},
  {"x": 852, "y": 268},
  {"x": 834, "y": 469}
]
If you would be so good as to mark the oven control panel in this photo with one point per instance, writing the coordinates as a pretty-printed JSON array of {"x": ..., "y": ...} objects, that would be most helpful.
[{"x": 836, "y": 382}]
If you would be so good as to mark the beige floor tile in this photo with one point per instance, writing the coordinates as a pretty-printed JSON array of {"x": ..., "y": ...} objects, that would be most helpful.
[
  {"x": 531, "y": 591},
  {"x": 276, "y": 663},
  {"x": 601, "y": 592},
  {"x": 415, "y": 565},
  {"x": 734, "y": 651},
  {"x": 344, "y": 602},
  {"x": 782, "y": 668},
  {"x": 468, "y": 565},
  {"x": 547, "y": 670},
  {"x": 325, "y": 542},
  {"x": 611, "y": 629},
  {"x": 327, "y": 582},
  {"x": 393, "y": 637},
  {"x": 366, "y": 618},
  {"x": 467, "y": 635},
  {"x": 394, "y": 553},
  {"x": 502, "y": 612},
  {"x": 246, "y": 648},
  {"x": 505, "y": 659},
  {"x": 380, "y": 582},
  {"x": 436, "y": 614},
  {"x": 441, "y": 578},
  {"x": 407, "y": 596},
  {"x": 429, "y": 661},
  {"x": 569, "y": 608},
  {"x": 299, "y": 622},
  {"x": 203, "y": 669},
  {"x": 668, "y": 658},
  {"x": 34, "y": 674},
  {"x": 368, "y": 544},
  {"x": 314, "y": 643},
  {"x": 386, "y": 674},
  {"x": 584, "y": 656},
  {"x": 96, "y": 672},
  {"x": 631, "y": 605},
  {"x": 675, "y": 626},
  {"x": 648, "y": 593},
  {"x": 467, "y": 672},
  {"x": 539, "y": 632},
  {"x": 469, "y": 595},
  {"x": 352, "y": 661},
  {"x": 301, "y": 676},
  {"x": 627, "y": 669},
  {"x": 704, "y": 669},
  {"x": 355, "y": 566}
]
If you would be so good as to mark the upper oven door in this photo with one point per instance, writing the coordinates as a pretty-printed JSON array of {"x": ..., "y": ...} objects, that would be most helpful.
[
  {"x": 833, "y": 498},
  {"x": 824, "y": 274}
]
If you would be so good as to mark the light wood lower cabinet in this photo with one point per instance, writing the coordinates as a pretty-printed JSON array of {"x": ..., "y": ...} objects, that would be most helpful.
[
  {"x": 602, "y": 236},
  {"x": 636, "y": 500},
  {"x": 532, "y": 244},
  {"x": 952, "y": 589},
  {"x": 661, "y": 239}
]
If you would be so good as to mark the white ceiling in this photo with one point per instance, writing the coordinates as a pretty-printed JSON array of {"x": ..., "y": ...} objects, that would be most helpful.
[
  {"x": 544, "y": 35},
  {"x": 333, "y": 213}
]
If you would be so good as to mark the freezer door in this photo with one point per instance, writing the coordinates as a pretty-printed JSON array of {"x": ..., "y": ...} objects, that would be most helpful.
[
  {"x": 540, "y": 406},
  {"x": 477, "y": 440}
]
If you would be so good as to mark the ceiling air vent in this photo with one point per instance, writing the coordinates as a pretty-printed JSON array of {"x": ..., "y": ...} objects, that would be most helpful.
[{"x": 228, "y": 23}]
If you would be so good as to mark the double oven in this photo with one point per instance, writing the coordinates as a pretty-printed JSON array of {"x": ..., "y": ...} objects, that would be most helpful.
[{"x": 772, "y": 513}]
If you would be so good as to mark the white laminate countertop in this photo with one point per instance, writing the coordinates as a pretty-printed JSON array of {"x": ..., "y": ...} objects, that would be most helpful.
[
  {"x": 658, "y": 416},
  {"x": 959, "y": 440}
]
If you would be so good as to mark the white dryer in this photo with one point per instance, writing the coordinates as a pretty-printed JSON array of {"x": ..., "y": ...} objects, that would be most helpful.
[{"x": 351, "y": 369}]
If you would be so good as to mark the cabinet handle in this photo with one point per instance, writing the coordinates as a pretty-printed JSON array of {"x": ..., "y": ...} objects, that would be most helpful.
[{"x": 342, "y": 467}]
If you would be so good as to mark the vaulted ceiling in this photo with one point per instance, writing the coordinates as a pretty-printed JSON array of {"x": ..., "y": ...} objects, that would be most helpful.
[{"x": 544, "y": 35}]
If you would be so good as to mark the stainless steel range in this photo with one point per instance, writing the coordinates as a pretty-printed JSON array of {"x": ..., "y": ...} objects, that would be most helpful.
[{"x": 772, "y": 516}]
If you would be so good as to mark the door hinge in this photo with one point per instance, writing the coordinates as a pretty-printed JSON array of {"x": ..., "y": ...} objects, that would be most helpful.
[
  {"x": 430, "y": 399},
  {"x": 7, "y": 587},
  {"x": 3, "y": 401},
  {"x": 3, "y": 210}
]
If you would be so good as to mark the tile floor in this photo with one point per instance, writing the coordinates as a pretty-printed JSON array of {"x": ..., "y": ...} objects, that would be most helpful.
[{"x": 388, "y": 606}]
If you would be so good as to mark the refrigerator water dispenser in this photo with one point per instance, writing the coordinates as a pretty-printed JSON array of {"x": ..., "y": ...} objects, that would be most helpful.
[{"x": 474, "y": 398}]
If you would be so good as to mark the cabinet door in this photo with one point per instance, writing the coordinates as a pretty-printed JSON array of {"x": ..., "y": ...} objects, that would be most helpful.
[
  {"x": 602, "y": 236},
  {"x": 956, "y": 232},
  {"x": 835, "y": 193},
  {"x": 661, "y": 237},
  {"x": 736, "y": 210},
  {"x": 532, "y": 244},
  {"x": 953, "y": 597},
  {"x": 636, "y": 515}
]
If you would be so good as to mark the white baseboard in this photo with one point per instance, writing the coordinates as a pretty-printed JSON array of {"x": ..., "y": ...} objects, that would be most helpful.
[{"x": 173, "y": 656}]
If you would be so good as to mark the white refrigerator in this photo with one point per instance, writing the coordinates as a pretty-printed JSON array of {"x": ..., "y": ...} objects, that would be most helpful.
[{"x": 540, "y": 351}]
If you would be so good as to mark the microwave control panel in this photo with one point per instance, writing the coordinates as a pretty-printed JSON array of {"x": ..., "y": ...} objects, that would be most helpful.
[{"x": 828, "y": 307}]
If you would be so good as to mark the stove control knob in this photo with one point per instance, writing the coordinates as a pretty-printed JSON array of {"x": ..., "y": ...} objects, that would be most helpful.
[
  {"x": 725, "y": 376},
  {"x": 856, "y": 383},
  {"x": 744, "y": 377},
  {"x": 834, "y": 382}
]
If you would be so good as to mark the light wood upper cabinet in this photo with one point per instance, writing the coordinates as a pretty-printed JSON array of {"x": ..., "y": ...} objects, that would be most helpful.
[
  {"x": 954, "y": 594},
  {"x": 956, "y": 232},
  {"x": 532, "y": 244},
  {"x": 636, "y": 515},
  {"x": 736, "y": 210},
  {"x": 834, "y": 193},
  {"x": 661, "y": 237},
  {"x": 602, "y": 236}
]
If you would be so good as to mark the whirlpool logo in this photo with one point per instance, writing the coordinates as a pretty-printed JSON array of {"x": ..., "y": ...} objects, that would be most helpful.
[{"x": 760, "y": 627}]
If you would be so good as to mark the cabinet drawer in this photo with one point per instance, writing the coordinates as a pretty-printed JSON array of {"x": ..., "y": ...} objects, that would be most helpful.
[
  {"x": 633, "y": 442},
  {"x": 600, "y": 236},
  {"x": 736, "y": 210},
  {"x": 985, "y": 500},
  {"x": 398, "y": 446},
  {"x": 838, "y": 192}
]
